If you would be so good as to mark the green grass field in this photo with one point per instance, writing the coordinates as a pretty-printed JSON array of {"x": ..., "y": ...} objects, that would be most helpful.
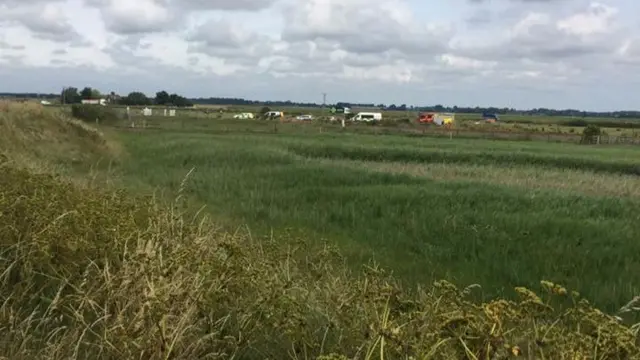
[{"x": 497, "y": 213}]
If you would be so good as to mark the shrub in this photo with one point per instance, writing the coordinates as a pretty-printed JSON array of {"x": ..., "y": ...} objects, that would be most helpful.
[
  {"x": 590, "y": 134},
  {"x": 90, "y": 112}
]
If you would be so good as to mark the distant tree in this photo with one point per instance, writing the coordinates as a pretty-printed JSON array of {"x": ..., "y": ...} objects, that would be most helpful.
[
  {"x": 179, "y": 101},
  {"x": 162, "y": 98},
  {"x": 86, "y": 93},
  {"x": 95, "y": 94},
  {"x": 136, "y": 98},
  {"x": 70, "y": 95}
]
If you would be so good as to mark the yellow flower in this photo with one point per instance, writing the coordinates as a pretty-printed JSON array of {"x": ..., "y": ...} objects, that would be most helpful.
[{"x": 515, "y": 350}]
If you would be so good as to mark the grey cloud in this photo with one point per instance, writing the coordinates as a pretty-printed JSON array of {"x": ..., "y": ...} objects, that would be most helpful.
[
  {"x": 11, "y": 60},
  {"x": 170, "y": 15},
  {"x": 543, "y": 42},
  {"x": 481, "y": 17},
  {"x": 41, "y": 21},
  {"x": 219, "y": 38},
  {"x": 360, "y": 29},
  {"x": 7, "y": 46},
  {"x": 246, "y": 5},
  {"x": 155, "y": 18},
  {"x": 521, "y": 1}
]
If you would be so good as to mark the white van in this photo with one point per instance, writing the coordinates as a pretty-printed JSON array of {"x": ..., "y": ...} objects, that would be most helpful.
[
  {"x": 367, "y": 116},
  {"x": 274, "y": 114}
]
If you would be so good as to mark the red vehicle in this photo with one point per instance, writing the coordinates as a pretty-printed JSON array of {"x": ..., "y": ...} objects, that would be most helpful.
[{"x": 426, "y": 118}]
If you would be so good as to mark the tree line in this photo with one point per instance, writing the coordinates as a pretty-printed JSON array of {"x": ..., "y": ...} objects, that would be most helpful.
[{"x": 72, "y": 95}]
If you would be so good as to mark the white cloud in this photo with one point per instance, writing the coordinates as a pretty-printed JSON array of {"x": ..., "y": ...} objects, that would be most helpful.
[
  {"x": 598, "y": 19},
  {"x": 400, "y": 51}
]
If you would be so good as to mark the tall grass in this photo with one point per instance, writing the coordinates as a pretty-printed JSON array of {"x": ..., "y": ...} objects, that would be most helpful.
[
  {"x": 421, "y": 228},
  {"x": 45, "y": 139}
]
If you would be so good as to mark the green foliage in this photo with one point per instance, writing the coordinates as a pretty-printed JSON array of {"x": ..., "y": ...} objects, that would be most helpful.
[
  {"x": 88, "y": 273},
  {"x": 70, "y": 95},
  {"x": 163, "y": 98},
  {"x": 136, "y": 98},
  {"x": 91, "y": 113},
  {"x": 86, "y": 93},
  {"x": 590, "y": 133}
]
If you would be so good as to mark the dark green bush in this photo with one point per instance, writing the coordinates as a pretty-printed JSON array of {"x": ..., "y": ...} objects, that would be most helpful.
[
  {"x": 90, "y": 112},
  {"x": 590, "y": 133}
]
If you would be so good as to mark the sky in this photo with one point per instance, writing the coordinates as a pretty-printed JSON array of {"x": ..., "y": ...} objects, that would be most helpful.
[{"x": 507, "y": 53}]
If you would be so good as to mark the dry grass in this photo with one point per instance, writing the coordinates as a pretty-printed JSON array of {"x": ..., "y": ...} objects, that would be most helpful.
[
  {"x": 46, "y": 139},
  {"x": 88, "y": 273},
  {"x": 527, "y": 177}
]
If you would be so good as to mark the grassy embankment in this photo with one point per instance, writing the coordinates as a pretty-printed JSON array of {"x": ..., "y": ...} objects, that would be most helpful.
[{"x": 96, "y": 273}]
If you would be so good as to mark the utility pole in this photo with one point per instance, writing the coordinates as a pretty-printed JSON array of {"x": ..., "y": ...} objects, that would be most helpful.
[{"x": 324, "y": 99}]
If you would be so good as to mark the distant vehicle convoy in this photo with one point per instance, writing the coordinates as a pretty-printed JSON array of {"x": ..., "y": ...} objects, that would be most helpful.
[{"x": 436, "y": 118}]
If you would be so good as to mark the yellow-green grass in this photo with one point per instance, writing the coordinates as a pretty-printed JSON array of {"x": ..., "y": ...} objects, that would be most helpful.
[
  {"x": 526, "y": 177},
  {"x": 45, "y": 139}
]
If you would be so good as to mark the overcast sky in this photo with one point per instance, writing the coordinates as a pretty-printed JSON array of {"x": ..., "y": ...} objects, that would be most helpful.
[{"x": 513, "y": 53}]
